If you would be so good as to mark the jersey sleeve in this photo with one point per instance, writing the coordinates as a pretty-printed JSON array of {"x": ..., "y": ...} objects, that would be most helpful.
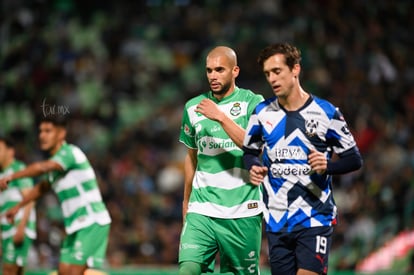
[
  {"x": 24, "y": 183},
  {"x": 253, "y": 137},
  {"x": 187, "y": 131},
  {"x": 338, "y": 136},
  {"x": 256, "y": 99},
  {"x": 64, "y": 158}
]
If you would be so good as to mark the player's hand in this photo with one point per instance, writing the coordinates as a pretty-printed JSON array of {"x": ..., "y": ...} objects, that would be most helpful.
[
  {"x": 210, "y": 110},
  {"x": 4, "y": 182},
  {"x": 11, "y": 213},
  {"x": 317, "y": 161},
  {"x": 185, "y": 208},
  {"x": 257, "y": 174},
  {"x": 18, "y": 238}
]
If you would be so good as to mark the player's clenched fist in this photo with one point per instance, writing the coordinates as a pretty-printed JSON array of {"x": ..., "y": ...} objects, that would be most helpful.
[
  {"x": 3, "y": 182},
  {"x": 11, "y": 213},
  {"x": 317, "y": 161},
  {"x": 257, "y": 174}
]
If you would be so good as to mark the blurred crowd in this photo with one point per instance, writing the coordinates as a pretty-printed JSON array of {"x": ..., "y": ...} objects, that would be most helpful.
[{"x": 122, "y": 70}]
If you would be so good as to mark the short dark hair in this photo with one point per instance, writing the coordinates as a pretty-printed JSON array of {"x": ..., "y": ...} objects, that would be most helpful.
[
  {"x": 8, "y": 141},
  {"x": 291, "y": 53},
  {"x": 56, "y": 120}
]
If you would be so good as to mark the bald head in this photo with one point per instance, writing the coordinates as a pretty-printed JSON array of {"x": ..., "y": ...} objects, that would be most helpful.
[
  {"x": 222, "y": 70},
  {"x": 226, "y": 52}
]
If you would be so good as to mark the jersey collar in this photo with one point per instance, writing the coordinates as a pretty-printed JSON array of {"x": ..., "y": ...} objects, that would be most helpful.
[{"x": 233, "y": 94}]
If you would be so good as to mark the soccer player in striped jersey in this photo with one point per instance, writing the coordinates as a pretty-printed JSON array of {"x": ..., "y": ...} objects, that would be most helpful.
[
  {"x": 16, "y": 237},
  {"x": 221, "y": 209},
  {"x": 71, "y": 176},
  {"x": 289, "y": 147}
]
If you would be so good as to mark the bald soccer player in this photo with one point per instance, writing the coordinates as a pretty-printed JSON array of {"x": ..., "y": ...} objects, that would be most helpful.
[{"x": 221, "y": 208}]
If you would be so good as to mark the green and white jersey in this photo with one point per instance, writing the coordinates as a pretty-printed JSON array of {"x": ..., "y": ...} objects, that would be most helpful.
[
  {"x": 12, "y": 196},
  {"x": 77, "y": 190},
  {"x": 221, "y": 185}
]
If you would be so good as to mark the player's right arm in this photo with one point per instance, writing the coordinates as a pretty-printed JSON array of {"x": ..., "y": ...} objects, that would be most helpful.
[
  {"x": 32, "y": 170},
  {"x": 20, "y": 229},
  {"x": 190, "y": 164},
  {"x": 36, "y": 192},
  {"x": 211, "y": 111}
]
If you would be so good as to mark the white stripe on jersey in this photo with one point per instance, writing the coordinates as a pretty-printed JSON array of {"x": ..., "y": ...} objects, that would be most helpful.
[
  {"x": 219, "y": 211},
  {"x": 69, "y": 206},
  {"x": 227, "y": 179},
  {"x": 73, "y": 178}
]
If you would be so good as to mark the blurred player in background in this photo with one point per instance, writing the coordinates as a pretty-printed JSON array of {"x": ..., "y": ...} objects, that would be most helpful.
[
  {"x": 71, "y": 176},
  {"x": 297, "y": 134},
  {"x": 17, "y": 237},
  {"x": 221, "y": 209}
]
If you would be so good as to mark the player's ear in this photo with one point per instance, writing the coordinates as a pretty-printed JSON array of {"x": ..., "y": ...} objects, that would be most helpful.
[
  {"x": 62, "y": 133},
  {"x": 11, "y": 151},
  {"x": 236, "y": 71},
  {"x": 296, "y": 70}
]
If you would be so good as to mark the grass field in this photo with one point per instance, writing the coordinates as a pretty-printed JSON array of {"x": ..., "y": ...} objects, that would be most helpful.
[{"x": 173, "y": 270}]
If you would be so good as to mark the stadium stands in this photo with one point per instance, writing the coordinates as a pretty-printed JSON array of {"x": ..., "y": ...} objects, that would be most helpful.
[{"x": 123, "y": 70}]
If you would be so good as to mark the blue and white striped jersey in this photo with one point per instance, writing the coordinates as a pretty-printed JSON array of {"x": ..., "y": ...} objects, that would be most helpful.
[{"x": 296, "y": 197}]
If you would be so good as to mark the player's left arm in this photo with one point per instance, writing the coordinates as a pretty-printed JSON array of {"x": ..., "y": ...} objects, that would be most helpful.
[
  {"x": 210, "y": 110},
  {"x": 342, "y": 142},
  {"x": 346, "y": 162}
]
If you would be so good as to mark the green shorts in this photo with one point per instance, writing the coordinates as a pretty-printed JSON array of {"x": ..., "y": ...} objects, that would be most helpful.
[
  {"x": 238, "y": 242},
  {"x": 86, "y": 246},
  {"x": 16, "y": 254}
]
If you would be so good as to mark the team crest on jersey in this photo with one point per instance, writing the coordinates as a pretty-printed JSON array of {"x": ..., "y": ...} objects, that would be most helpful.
[
  {"x": 311, "y": 125},
  {"x": 236, "y": 109},
  {"x": 345, "y": 130}
]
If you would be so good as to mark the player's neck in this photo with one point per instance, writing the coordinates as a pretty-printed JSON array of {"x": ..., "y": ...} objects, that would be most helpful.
[
  {"x": 56, "y": 148},
  {"x": 6, "y": 163},
  {"x": 295, "y": 100},
  {"x": 219, "y": 97}
]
